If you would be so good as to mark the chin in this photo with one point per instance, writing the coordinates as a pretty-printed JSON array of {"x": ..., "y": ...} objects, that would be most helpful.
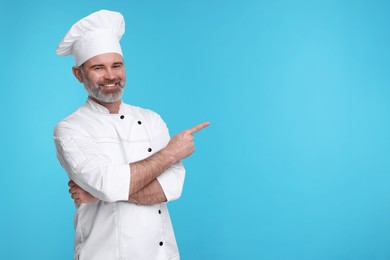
[{"x": 109, "y": 98}]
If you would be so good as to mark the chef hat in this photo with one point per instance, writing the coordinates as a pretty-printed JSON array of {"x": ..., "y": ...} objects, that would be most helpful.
[{"x": 95, "y": 34}]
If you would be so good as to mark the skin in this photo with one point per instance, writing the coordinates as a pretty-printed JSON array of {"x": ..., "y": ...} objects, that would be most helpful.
[{"x": 103, "y": 71}]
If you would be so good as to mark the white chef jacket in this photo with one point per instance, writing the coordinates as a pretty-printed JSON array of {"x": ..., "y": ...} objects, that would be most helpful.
[{"x": 95, "y": 148}]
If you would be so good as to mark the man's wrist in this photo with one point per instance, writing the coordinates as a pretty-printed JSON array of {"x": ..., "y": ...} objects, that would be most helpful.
[{"x": 168, "y": 156}]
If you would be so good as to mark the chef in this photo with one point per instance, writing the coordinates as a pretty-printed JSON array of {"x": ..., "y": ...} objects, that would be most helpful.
[{"x": 122, "y": 165}]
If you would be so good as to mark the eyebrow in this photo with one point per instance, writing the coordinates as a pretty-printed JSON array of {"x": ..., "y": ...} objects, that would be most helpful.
[{"x": 102, "y": 65}]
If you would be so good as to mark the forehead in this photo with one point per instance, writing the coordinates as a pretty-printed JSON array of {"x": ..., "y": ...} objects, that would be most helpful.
[{"x": 104, "y": 59}]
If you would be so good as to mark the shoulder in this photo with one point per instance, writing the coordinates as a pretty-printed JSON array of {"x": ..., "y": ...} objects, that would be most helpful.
[{"x": 72, "y": 123}]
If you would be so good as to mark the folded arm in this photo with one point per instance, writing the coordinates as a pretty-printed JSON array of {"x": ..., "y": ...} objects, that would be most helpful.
[
  {"x": 151, "y": 194},
  {"x": 155, "y": 179}
]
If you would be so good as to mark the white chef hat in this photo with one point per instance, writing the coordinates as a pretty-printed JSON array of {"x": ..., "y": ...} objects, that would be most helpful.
[{"x": 98, "y": 33}]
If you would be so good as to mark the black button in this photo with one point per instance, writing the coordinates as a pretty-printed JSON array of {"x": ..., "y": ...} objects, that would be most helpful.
[
  {"x": 139, "y": 122},
  {"x": 149, "y": 150},
  {"x": 122, "y": 116},
  {"x": 161, "y": 243},
  {"x": 159, "y": 211}
]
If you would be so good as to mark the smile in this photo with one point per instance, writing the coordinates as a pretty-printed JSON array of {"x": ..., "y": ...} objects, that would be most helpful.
[{"x": 109, "y": 86}]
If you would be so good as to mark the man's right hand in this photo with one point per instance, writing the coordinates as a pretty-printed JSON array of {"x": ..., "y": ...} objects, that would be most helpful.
[
  {"x": 179, "y": 147},
  {"x": 182, "y": 145}
]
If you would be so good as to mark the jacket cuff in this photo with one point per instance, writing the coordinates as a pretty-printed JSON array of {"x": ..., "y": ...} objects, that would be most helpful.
[
  {"x": 117, "y": 183},
  {"x": 172, "y": 184}
]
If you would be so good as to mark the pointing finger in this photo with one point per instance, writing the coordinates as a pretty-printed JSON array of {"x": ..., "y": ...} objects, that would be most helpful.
[{"x": 199, "y": 127}]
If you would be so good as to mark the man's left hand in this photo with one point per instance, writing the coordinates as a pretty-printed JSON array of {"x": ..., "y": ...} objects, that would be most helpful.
[{"x": 79, "y": 195}]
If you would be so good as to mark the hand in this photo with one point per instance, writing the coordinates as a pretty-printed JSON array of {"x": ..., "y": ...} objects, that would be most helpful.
[
  {"x": 182, "y": 145},
  {"x": 79, "y": 195}
]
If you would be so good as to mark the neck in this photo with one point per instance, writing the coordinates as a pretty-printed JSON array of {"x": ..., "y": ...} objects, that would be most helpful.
[{"x": 113, "y": 107}]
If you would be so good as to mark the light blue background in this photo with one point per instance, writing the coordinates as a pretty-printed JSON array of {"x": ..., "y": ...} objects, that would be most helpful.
[{"x": 295, "y": 164}]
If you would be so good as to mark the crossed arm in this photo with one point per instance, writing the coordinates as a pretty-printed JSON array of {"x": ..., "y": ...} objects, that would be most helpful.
[
  {"x": 144, "y": 187},
  {"x": 150, "y": 194}
]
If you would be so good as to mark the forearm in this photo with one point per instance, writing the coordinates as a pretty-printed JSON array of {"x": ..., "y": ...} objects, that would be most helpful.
[
  {"x": 151, "y": 194},
  {"x": 179, "y": 147},
  {"x": 146, "y": 171}
]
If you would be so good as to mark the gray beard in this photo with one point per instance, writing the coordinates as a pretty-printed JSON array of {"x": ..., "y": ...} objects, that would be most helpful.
[{"x": 95, "y": 92}]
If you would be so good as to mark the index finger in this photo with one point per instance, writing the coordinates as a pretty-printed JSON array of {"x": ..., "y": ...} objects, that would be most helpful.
[
  {"x": 199, "y": 127},
  {"x": 71, "y": 183}
]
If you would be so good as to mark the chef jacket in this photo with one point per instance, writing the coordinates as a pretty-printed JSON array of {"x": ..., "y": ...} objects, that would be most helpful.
[{"x": 95, "y": 148}]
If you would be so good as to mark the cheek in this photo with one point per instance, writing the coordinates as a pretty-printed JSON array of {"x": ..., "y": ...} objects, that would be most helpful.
[
  {"x": 95, "y": 76},
  {"x": 96, "y": 80},
  {"x": 122, "y": 75}
]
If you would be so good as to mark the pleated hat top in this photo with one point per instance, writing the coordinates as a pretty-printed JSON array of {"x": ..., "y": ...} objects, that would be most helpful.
[{"x": 98, "y": 33}]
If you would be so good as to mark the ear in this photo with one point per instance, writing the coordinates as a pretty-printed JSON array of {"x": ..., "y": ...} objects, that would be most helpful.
[{"x": 77, "y": 73}]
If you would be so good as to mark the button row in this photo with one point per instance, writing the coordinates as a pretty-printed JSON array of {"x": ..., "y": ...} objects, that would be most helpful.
[
  {"x": 123, "y": 117},
  {"x": 140, "y": 123}
]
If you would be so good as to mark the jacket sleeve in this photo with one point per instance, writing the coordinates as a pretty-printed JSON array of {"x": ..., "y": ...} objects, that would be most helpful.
[
  {"x": 171, "y": 180},
  {"x": 79, "y": 155}
]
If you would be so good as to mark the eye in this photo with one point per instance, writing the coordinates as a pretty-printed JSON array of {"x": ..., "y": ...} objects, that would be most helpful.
[
  {"x": 117, "y": 66},
  {"x": 97, "y": 68}
]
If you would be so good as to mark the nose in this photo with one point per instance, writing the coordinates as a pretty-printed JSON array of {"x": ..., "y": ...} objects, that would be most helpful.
[{"x": 110, "y": 74}]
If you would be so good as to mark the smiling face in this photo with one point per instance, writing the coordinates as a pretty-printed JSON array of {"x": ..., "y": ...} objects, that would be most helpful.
[{"x": 103, "y": 76}]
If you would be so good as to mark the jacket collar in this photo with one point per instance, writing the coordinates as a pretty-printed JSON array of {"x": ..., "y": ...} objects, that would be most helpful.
[{"x": 95, "y": 107}]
